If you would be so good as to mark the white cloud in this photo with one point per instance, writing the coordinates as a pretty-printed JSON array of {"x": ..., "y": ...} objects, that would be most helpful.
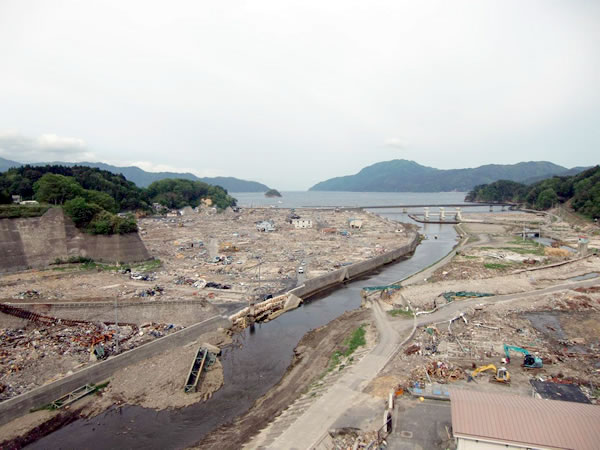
[
  {"x": 395, "y": 143},
  {"x": 51, "y": 147},
  {"x": 44, "y": 148},
  {"x": 64, "y": 144}
]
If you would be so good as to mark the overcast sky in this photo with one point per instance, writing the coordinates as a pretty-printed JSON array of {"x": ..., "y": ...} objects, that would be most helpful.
[{"x": 292, "y": 93}]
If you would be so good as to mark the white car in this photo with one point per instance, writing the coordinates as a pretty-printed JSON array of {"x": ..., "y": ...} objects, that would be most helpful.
[{"x": 300, "y": 269}]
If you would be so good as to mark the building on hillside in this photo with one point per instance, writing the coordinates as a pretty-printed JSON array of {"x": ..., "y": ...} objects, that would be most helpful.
[
  {"x": 16, "y": 199},
  {"x": 488, "y": 421},
  {"x": 302, "y": 223}
]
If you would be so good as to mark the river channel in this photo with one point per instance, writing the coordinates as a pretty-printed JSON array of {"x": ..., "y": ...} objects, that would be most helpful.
[{"x": 253, "y": 364}]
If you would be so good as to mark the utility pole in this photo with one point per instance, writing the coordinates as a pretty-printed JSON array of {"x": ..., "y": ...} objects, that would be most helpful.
[{"x": 117, "y": 323}]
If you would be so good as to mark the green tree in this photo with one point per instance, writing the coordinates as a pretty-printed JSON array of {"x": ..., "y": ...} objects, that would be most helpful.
[
  {"x": 177, "y": 193},
  {"x": 101, "y": 199},
  {"x": 546, "y": 199},
  {"x": 102, "y": 223},
  {"x": 5, "y": 197},
  {"x": 80, "y": 211},
  {"x": 56, "y": 189}
]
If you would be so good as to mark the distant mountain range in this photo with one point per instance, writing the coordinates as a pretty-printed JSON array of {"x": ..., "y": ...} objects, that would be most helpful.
[
  {"x": 400, "y": 175},
  {"x": 6, "y": 164},
  {"x": 143, "y": 179}
]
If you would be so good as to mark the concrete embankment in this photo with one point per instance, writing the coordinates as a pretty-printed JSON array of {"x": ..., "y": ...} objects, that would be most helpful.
[
  {"x": 180, "y": 312},
  {"x": 36, "y": 242},
  {"x": 315, "y": 285},
  {"x": 17, "y": 406}
]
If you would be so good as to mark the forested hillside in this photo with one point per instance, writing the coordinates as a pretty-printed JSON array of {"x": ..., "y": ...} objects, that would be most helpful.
[
  {"x": 401, "y": 175},
  {"x": 581, "y": 191},
  {"x": 179, "y": 193},
  {"x": 143, "y": 179},
  {"x": 126, "y": 195},
  {"x": 92, "y": 197}
]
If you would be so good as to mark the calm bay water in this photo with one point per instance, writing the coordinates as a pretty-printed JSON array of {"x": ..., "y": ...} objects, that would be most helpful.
[{"x": 297, "y": 199}]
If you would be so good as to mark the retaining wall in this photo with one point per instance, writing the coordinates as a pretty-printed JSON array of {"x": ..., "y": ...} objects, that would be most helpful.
[
  {"x": 315, "y": 285},
  {"x": 17, "y": 406},
  {"x": 178, "y": 312},
  {"x": 38, "y": 241}
]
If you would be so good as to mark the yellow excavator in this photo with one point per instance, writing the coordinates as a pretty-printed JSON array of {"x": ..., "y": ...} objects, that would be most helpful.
[{"x": 501, "y": 374}]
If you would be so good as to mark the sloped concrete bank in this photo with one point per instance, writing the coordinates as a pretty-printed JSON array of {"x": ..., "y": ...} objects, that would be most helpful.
[
  {"x": 38, "y": 241},
  {"x": 180, "y": 312},
  {"x": 318, "y": 284},
  {"x": 17, "y": 406}
]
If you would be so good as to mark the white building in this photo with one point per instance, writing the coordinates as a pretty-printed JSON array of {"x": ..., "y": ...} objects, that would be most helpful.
[{"x": 302, "y": 223}]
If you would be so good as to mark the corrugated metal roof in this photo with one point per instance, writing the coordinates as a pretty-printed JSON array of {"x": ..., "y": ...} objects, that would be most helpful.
[{"x": 524, "y": 420}]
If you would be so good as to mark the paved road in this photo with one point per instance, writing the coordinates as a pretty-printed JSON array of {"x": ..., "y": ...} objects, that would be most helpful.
[{"x": 308, "y": 430}]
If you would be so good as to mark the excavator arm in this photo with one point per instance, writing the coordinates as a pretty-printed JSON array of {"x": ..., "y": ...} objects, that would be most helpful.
[
  {"x": 483, "y": 369},
  {"x": 500, "y": 375},
  {"x": 529, "y": 361}
]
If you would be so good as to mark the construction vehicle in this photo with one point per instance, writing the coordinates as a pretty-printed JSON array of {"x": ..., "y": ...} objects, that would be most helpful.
[
  {"x": 529, "y": 361},
  {"x": 501, "y": 374}
]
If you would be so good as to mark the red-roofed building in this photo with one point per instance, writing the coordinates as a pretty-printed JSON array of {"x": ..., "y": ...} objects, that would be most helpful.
[{"x": 492, "y": 421}]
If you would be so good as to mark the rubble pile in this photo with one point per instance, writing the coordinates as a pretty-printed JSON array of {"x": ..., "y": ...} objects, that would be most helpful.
[
  {"x": 439, "y": 371},
  {"x": 560, "y": 328},
  {"x": 227, "y": 252},
  {"x": 142, "y": 276},
  {"x": 30, "y": 293},
  {"x": 352, "y": 438},
  {"x": 151, "y": 292},
  {"x": 24, "y": 351}
]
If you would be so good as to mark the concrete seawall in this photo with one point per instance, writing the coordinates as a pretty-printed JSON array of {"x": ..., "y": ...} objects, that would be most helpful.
[
  {"x": 20, "y": 405},
  {"x": 38, "y": 241},
  {"x": 179, "y": 312},
  {"x": 315, "y": 285}
]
